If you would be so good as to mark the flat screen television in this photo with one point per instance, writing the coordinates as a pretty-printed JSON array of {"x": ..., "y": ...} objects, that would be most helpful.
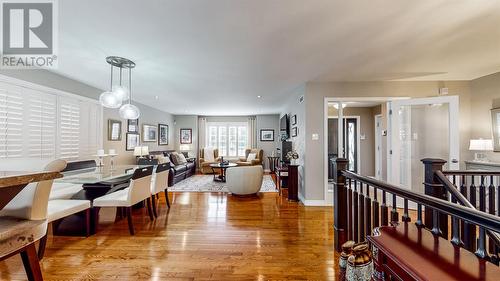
[{"x": 285, "y": 127}]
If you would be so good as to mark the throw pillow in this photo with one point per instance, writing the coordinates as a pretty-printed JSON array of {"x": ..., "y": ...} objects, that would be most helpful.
[
  {"x": 175, "y": 158},
  {"x": 208, "y": 155},
  {"x": 251, "y": 156},
  {"x": 162, "y": 159},
  {"x": 181, "y": 158}
]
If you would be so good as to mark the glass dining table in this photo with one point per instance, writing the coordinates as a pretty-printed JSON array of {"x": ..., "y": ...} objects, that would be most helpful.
[{"x": 96, "y": 182}]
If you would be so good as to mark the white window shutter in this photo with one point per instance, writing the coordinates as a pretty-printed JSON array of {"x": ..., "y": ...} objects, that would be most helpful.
[
  {"x": 11, "y": 122},
  {"x": 69, "y": 132},
  {"x": 41, "y": 125}
]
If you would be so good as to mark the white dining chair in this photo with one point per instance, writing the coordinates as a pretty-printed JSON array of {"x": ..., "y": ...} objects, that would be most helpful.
[
  {"x": 159, "y": 183},
  {"x": 138, "y": 190},
  {"x": 23, "y": 221}
]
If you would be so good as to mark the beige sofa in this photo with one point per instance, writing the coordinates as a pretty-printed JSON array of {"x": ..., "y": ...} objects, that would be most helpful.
[
  {"x": 205, "y": 165},
  {"x": 258, "y": 159}
]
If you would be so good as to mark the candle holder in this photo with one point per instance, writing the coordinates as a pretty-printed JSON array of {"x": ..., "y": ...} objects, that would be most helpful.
[{"x": 112, "y": 161}]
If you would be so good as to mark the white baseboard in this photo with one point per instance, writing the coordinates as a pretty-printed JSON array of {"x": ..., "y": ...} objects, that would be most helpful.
[
  {"x": 311, "y": 202},
  {"x": 267, "y": 171}
]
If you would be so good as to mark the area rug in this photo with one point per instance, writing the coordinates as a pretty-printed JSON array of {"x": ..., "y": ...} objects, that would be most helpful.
[{"x": 206, "y": 183}]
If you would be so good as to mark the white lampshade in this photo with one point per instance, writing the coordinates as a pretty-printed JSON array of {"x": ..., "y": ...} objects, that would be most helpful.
[
  {"x": 481, "y": 145},
  {"x": 141, "y": 150},
  {"x": 100, "y": 152},
  {"x": 112, "y": 151},
  {"x": 109, "y": 100},
  {"x": 185, "y": 147},
  {"x": 120, "y": 92},
  {"x": 129, "y": 111},
  {"x": 138, "y": 151}
]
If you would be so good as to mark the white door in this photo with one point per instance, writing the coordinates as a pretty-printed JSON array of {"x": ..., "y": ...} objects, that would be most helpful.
[{"x": 421, "y": 128}]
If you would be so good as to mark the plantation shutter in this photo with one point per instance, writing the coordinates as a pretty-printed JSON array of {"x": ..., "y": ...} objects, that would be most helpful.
[
  {"x": 41, "y": 125},
  {"x": 69, "y": 120},
  {"x": 11, "y": 122}
]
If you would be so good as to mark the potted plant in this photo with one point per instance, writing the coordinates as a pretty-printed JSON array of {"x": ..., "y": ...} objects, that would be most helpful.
[{"x": 292, "y": 156}]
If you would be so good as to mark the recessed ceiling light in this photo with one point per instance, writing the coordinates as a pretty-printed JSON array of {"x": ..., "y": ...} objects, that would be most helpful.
[
  {"x": 259, "y": 97},
  {"x": 157, "y": 97}
]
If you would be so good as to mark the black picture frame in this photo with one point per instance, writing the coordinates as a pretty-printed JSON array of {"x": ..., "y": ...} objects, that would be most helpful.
[
  {"x": 133, "y": 125},
  {"x": 294, "y": 119},
  {"x": 295, "y": 131},
  {"x": 186, "y": 136},
  {"x": 162, "y": 134},
  {"x": 131, "y": 141},
  {"x": 267, "y": 135}
]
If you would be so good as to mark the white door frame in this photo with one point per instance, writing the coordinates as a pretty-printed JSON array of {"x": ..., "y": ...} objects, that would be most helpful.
[
  {"x": 325, "y": 130},
  {"x": 393, "y": 141},
  {"x": 378, "y": 146}
]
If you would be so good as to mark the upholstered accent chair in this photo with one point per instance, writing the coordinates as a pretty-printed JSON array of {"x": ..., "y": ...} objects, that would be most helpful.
[
  {"x": 244, "y": 180},
  {"x": 259, "y": 155},
  {"x": 205, "y": 163}
]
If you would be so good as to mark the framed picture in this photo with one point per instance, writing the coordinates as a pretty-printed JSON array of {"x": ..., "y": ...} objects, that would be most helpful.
[
  {"x": 186, "y": 136},
  {"x": 132, "y": 141},
  {"x": 114, "y": 130},
  {"x": 294, "y": 119},
  {"x": 133, "y": 125},
  {"x": 149, "y": 133},
  {"x": 294, "y": 131},
  {"x": 162, "y": 134},
  {"x": 495, "y": 123},
  {"x": 267, "y": 135}
]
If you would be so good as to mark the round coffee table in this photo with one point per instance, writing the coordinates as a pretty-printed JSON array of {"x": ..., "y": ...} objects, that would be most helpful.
[{"x": 222, "y": 167}]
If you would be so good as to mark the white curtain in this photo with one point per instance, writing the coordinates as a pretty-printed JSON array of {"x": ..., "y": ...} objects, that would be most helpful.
[
  {"x": 202, "y": 124},
  {"x": 252, "y": 132}
]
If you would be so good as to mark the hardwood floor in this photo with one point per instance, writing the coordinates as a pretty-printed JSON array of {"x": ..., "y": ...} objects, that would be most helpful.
[{"x": 204, "y": 236}]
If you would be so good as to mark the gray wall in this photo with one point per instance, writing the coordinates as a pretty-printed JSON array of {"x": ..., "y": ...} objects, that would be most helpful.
[
  {"x": 186, "y": 122},
  {"x": 268, "y": 122},
  {"x": 294, "y": 107},
  {"x": 148, "y": 116},
  {"x": 316, "y": 92}
]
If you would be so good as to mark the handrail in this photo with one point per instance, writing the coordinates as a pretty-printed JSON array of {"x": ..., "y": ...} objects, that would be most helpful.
[
  {"x": 471, "y": 173},
  {"x": 485, "y": 220},
  {"x": 462, "y": 200}
]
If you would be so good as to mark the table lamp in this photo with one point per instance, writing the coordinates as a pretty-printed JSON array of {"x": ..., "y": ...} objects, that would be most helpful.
[
  {"x": 141, "y": 151},
  {"x": 185, "y": 148},
  {"x": 480, "y": 145}
]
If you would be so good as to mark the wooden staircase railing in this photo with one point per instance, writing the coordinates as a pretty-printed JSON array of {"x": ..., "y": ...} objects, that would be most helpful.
[{"x": 363, "y": 203}]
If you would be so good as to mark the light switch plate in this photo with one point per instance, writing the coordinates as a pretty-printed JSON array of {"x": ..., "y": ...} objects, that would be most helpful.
[{"x": 315, "y": 136}]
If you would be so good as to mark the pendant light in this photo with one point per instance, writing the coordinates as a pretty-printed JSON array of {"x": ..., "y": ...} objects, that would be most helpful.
[
  {"x": 119, "y": 93},
  {"x": 109, "y": 99},
  {"x": 129, "y": 111}
]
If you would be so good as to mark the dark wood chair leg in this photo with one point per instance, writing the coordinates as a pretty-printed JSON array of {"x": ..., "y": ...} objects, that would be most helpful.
[
  {"x": 55, "y": 225},
  {"x": 31, "y": 263},
  {"x": 41, "y": 246},
  {"x": 129, "y": 219},
  {"x": 87, "y": 222},
  {"x": 150, "y": 210},
  {"x": 166, "y": 198},
  {"x": 153, "y": 201},
  {"x": 118, "y": 215},
  {"x": 95, "y": 218}
]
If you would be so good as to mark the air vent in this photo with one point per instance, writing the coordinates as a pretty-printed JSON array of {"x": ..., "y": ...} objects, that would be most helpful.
[{"x": 301, "y": 99}]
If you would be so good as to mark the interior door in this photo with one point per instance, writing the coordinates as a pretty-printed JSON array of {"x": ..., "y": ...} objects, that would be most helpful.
[{"x": 421, "y": 128}]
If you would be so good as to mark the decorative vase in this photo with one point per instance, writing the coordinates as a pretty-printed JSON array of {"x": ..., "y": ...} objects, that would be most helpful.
[
  {"x": 360, "y": 264},
  {"x": 346, "y": 252}
]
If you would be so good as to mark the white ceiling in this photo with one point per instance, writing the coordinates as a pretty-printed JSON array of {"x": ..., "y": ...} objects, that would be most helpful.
[{"x": 215, "y": 57}]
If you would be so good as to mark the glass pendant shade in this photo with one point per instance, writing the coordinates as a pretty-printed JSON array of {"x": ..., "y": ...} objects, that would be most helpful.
[
  {"x": 129, "y": 111},
  {"x": 120, "y": 92},
  {"x": 110, "y": 100}
]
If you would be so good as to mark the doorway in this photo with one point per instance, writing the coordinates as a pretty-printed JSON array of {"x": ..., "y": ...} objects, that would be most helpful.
[
  {"x": 350, "y": 145},
  {"x": 378, "y": 146}
]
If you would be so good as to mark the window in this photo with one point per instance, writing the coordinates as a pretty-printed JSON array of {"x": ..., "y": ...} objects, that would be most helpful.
[
  {"x": 231, "y": 138},
  {"x": 41, "y": 123}
]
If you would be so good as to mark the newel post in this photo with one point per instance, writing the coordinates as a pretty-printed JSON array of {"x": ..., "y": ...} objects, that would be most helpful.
[
  {"x": 339, "y": 204},
  {"x": 434, "y": 188}
]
